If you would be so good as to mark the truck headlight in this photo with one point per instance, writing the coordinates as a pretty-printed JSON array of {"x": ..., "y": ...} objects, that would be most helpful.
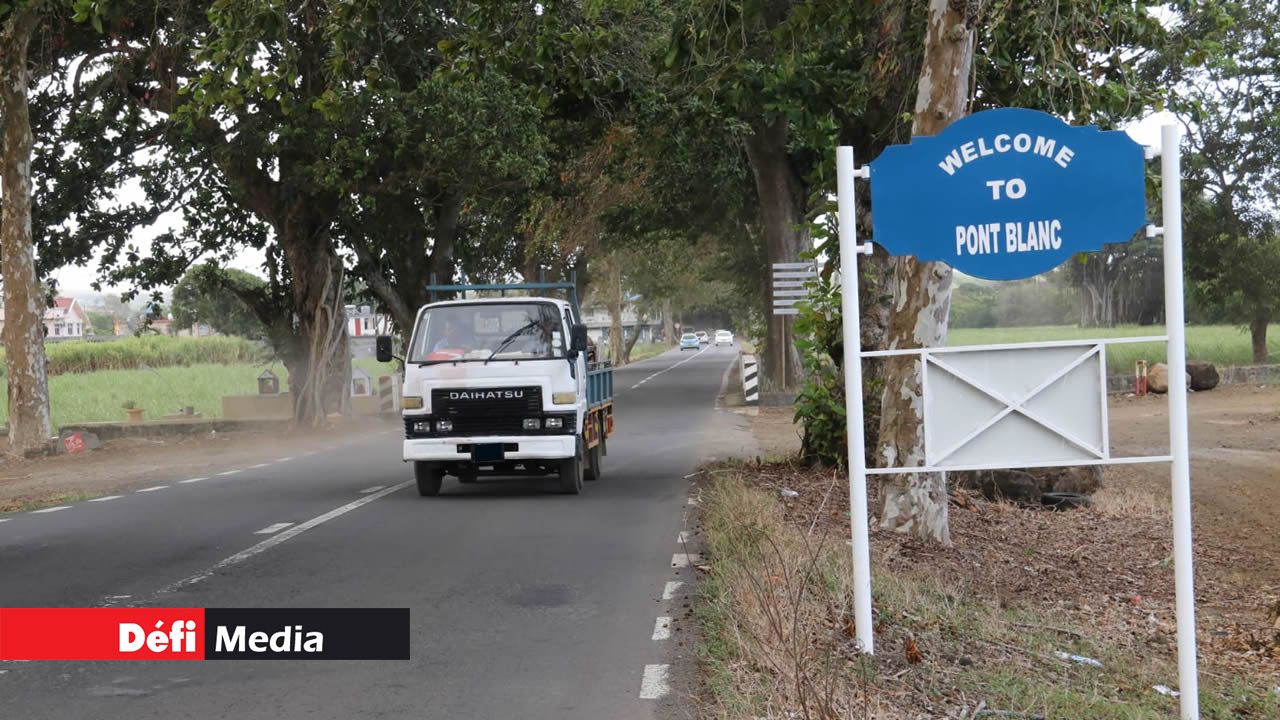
[
  {"x": 554, "y": 423},
  {"x": 422, "y": 427},
  {"x": 444, "y": 426},
  {"x": 564, "y": 398},
  {"x": 533, "y": 424},
  {"x": 411, "y": 403}
]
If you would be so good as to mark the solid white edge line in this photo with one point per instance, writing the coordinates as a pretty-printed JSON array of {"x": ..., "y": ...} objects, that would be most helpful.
[
  {"x": 259, "y": 465},
  {"x": 192, "y": 480},
  {"x": 292, "y": 532},
  {"x": 662, "y": 628},
  {"x": 152, "y": 489},
  {"x": 273, "y": 529},
  {"x": 228, "y": 472},
  {"x": 51, "y": 509},
  {"x": 105, "y": 498},
  {"x": 669, "y": 590},
  {"x": 5, "y": 519},
  {"x": 654, "y": 683},
  {"x": 284, "y": 459}
]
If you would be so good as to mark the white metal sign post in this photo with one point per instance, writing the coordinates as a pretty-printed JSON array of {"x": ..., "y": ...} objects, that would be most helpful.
[{"x": 1032, "y": 404}]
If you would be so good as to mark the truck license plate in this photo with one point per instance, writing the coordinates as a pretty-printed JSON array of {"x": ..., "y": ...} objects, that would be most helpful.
[{"x": 487, "y": 452}]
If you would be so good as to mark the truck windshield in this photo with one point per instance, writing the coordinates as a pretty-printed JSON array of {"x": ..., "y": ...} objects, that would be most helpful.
[{"x": 474, "y": 331}]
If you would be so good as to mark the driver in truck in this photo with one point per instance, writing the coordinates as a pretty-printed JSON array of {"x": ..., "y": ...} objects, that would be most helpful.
[{"x": 453, "y": 338}]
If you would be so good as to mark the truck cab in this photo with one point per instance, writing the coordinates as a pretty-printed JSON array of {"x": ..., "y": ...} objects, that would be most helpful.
[{"x": 503, "y": 386}]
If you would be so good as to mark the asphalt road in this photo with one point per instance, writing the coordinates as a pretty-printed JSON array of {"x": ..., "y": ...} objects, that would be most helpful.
[{"x": 525, "y": 603}]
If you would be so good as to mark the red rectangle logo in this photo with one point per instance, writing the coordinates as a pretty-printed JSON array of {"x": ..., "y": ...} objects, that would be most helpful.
[{"x": 102, "y": 633}]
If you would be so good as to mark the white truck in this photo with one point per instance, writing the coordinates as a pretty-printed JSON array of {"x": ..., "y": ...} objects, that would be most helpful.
[{"x": 503, "y": 386}]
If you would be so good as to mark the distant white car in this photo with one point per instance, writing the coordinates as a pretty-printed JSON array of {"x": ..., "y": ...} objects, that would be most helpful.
[
  {"x": 703, "y": 337},
  {"x": 724, "y": 337}
]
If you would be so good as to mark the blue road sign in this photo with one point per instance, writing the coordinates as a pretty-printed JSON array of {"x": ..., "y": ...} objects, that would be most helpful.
[{"x": 1007, "y": 194}]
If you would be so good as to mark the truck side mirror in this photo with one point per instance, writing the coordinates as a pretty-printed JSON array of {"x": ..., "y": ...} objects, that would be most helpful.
[
  {"x": 382, "y": 348},
  {"x": 578, "y": 339}
]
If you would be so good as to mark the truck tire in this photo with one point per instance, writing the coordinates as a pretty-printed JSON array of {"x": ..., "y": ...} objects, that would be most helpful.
[
  {"x": 429, "y": 477},
  {"x": 571, "y": 474}
]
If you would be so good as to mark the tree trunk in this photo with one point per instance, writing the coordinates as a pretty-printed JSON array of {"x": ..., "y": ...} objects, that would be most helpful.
[
  {"x": 668, "y": 323},
  {"x": 448, "y": 211},
  {"x": 29, "y": 424},
  {"x": 917, "y": 503},
  {"x": 782, "y": 205},
  {"x": 1258, "y": 336},
  {"x": 319, "y": 362},
  {"x": 631, "y": 341},
  {"x": 613, "y": 292}
]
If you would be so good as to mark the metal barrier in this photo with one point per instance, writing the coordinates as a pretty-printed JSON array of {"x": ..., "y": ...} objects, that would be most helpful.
[{"x": 599, "y": 384}]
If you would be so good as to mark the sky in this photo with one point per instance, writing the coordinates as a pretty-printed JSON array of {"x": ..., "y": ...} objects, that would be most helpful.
[{"x": 77, "y": 280}]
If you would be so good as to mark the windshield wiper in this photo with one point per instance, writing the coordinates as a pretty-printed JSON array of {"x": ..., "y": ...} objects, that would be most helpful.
[{"x": 511, "y": 338}]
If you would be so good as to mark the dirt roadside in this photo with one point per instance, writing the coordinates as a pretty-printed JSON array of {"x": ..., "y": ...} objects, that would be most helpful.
[
  {"x": 1235, "y": 460},
  {"x": 130, "y": 463}
]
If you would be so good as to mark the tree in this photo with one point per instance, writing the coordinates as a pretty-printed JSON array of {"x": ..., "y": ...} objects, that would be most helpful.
[
  {"x": 28, "y": 383},
  {"x": 794, "y": 78},
  {"x": 917, "y": 502},
  {"x": 205, "y": 294},
  {"x": 1230, "y": 107}
]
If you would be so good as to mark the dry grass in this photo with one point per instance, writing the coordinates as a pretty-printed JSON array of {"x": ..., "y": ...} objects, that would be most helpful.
[{"x": 962, "y": 633}]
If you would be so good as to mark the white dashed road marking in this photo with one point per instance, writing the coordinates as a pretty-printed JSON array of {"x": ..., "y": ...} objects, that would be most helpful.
[
  {"x": 192, "y": 480},
  {"x": 51, "y": 509},
  {"x": 152, "y": 489},
  {"x": 373, "y": 489},
  {"x": 685, "y": 559},
  {"x": 282, "y": 537},
  {"x": 105, "y": 498},
  {"x": 284, "y": 459},
  {"x": 672, "y": 367},
  {"x": 273, "y": 529},
  {"x": 654, "y": 683},
  {"x": 4, "y": 519},
  {"x": 228, "y": 472},
  {"x": 669, "y": 591},
  {"x": 662, "y": 628},
  {"x": 259, "y": 465}
]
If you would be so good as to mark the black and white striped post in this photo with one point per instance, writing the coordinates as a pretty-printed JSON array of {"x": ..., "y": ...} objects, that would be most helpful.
[{"x": 750, "y": 379}]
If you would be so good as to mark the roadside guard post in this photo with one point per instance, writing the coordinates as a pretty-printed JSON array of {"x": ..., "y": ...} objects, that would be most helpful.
[{"x": 1014, "y": 193}]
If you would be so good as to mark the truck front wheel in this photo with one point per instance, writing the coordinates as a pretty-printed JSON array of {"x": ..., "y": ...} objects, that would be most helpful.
[
  {"x": 429, "y": 477},
  {"x": 571, "y": 474}
]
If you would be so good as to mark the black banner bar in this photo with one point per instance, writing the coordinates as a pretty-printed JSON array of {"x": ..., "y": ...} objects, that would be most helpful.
[{"x": 306, "y": 633}]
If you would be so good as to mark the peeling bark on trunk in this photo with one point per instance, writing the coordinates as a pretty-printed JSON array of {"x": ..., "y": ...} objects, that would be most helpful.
[
  {"x": 917, "y": 503},
  {"x": 29, "y": 424},
  {"x": 1258, "y": 337},
  {"x": 782, "y": 204}
]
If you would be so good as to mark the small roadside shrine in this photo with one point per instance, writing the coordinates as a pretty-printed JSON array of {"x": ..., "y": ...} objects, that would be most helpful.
[{"x": 1013, "y": 193}]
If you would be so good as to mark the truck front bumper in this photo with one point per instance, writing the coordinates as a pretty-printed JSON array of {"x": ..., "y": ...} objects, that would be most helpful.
[{"x": 518, "y": 447}]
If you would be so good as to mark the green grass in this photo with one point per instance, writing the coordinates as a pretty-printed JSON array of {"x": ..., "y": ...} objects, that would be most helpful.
[
  {"x": 1222, "y": 345},
  {"x": 643, "y": 351},
  {"x": 98, "y": 396},
  {"x": 79, "y": 356}
]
